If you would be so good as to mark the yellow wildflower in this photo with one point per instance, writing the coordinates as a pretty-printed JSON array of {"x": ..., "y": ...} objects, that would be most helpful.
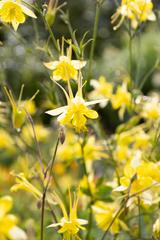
[
  {"x": 151, "y": 110},
  {"x": 102, "y": 89},
  {"x": 70, "y": 224},
  {"x": 122, "y": 98},
  {"x": 65, "y": 68},
  {"x": 146, "y": 174},
  {"x": 6, "y": 141},
  {"x": 14, "y": 12},
  {"x": 76, "y": 112},
  {"x": 41, "y": 132},
  {"x": 137, "y": 11},
  {"x": 104, "y": 214},
  {"x": 8, "y": 222}
]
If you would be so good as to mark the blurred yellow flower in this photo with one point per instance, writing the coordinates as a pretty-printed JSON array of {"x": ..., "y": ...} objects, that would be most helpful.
[
  {"x": 13, "y": 11},
  {"x": 104, "y": 214},
  {"x": 6, "y": 141},
  {"x": 42, "y": 133},
  {"x": 8, "y": 222},
  {"x": 65, "y": 68},
  {"x": 23, "y": 184},
  {"x": 151, "y": 110},
  {"x": 122, "y": 98},
  {"x": 102, "y": 89},
  {"x": 70, "y": 224},
  {"x": 137, "y": 11},
  {"x": 146, "y": 174}
]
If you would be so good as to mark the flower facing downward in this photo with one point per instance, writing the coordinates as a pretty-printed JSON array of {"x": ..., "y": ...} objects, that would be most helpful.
[
  {"x": 14, "y": 12},
  {"x": 70, "y": 224},
  {"x": 65, "y": 68}
]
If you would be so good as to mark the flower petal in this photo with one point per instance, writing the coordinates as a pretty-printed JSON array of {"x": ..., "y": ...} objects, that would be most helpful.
[
  {"x": 51, "y": 65},
  {"x": 57, "y": 111},
  {"x": 96, "y": 101},
  {"x": 27, "y": 11},
  {"x": 91, "y": 114},
  {"x": 77, "y": 64}
]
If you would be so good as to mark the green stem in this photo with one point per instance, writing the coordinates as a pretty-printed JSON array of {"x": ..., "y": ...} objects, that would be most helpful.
[
  {"x": 50, "y": 32},
  {"x": 113, "y": 220},
  {"x": 90, "y": 193},
  {"x": 45, "y": 188},
  {"x": 95, "y": 30},
  {"x": 139, "y": 216}
]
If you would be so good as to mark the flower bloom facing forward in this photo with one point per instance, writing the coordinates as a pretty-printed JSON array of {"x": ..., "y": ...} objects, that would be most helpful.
[
  {"x": 70, "y": 224},
  {"x": 65, "y": 68},
  {"x": 137, "y": 11},
  {"x": 76, "y": 112},
  {"x": 14, "y": 12}
]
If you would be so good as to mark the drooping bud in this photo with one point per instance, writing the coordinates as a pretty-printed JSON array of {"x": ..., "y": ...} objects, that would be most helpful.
[{"x": 62, "y": 134}]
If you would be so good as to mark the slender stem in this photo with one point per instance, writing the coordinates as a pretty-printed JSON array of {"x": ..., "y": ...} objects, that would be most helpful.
[
  {"x": 131, "y": 54},
  {"x": 90, "y": 193},
  {"x": 113, "y": 220},
  {"x": 139, "y": 216},
  {"x": 45, "y": 188},
  {"x": 95, "y": 30},
  {"x": 50, "y": 32},
  {"x": 36, "y": 140},
  {"x": 42, "y": 215}
]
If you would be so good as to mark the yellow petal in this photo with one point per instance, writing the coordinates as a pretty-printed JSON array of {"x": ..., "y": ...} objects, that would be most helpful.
[
  {"x": 5, "y": 205},
  {"x": 91, "y": 114}
]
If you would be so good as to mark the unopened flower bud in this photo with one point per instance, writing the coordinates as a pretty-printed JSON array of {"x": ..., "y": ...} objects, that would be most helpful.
[{"x": 61, "y": 135}]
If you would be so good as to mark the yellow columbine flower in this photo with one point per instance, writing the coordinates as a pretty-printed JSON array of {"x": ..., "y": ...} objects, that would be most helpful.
[
  {"x": 121, "y": 99},
  {"x": 70, "y": 224},
  {"x": 104, "y": 214},
  {"x": 65, "y": 68},
  {"x": 102, "y": 89},
  {"x": 14, "y": 12},
  {"x": 8, "y": 222},
  {"x": 76, "y": 112},
  {"x": 137, "y": 11}
]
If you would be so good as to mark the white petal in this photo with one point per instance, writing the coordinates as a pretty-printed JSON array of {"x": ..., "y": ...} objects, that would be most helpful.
[
  {"x": 54, "y": 225},
  {"x": 57, "y": 111},
  {"x": 152, "y": 16},
  {"x": 96, "y": 101},
  {"x": 17, "y": 234},
  {"x": 27, "y": 11},
  {"x": 51, "y": 65},
  {"x": 77, "y": 64},
  {"x": 82, "y": 221},
  {"x": 94, "y": 83},
  {"x": 64, "y": 58}
]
